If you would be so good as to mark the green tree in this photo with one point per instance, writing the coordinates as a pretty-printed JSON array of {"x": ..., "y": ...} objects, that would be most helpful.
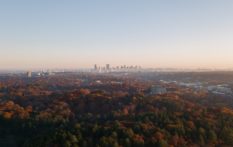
[
  {"x": 227, "y": 135},
  {"x": 212, "y": 136},
  {"x": 162, "y": 143}
]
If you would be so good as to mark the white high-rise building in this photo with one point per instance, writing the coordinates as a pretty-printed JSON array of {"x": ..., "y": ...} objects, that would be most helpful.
[{"x": 29, "y": 74}]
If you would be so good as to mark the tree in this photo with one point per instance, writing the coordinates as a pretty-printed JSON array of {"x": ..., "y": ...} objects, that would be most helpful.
[
  {"x": 227, "y": 135},
  {"x": 162, "y": 143},
  {"x": 127, "y": 142},
  {"x": 212, "y": 136}
]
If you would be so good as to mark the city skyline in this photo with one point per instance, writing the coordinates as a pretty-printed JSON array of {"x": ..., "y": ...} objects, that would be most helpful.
[{"x": 152, "y": 34}]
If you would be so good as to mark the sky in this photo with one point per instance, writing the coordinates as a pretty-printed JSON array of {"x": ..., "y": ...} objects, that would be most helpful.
[{"x": 39, "y": 34}]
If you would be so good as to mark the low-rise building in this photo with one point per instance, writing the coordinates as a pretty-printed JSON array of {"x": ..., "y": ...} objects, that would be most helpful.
[{"x": 157, "y": 90}]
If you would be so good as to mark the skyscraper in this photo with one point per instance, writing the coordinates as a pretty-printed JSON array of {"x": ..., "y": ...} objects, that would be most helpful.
[
  {"x": 95, "y": 67},
  {"x": 29, "y": 74},
  {"x": 107, "y": 66}
]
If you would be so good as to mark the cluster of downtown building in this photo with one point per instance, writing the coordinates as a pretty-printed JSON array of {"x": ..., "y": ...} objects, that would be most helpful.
[
  {"x": 122, "y": 68},
  {"x": 30, "y": 74},
  {"x": 98, "y": 69}
]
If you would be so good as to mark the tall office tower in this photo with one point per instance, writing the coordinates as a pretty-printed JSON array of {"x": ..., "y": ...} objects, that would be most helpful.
[
  {"x": 107, "y": 66},
  {"x": 29, "y": 74},
  {"x": 95, "y": 67}
]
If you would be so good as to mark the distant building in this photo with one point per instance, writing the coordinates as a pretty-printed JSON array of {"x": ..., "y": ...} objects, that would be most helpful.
[
  {"x": 38, "y": 74},
  {"x": 29, "y": 74},
  {"x": 50, "y": 73},
  {"x": 220, "y": 89},
  {"x": 107, "y": 66},
  {"x": 99, "y": 82},
  {"x": 95, "y": 67},
  {"x": 158, "y": 90}
]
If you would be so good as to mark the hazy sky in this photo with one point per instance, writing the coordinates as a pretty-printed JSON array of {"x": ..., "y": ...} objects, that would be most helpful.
[{"x": 150, "y": 33}]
